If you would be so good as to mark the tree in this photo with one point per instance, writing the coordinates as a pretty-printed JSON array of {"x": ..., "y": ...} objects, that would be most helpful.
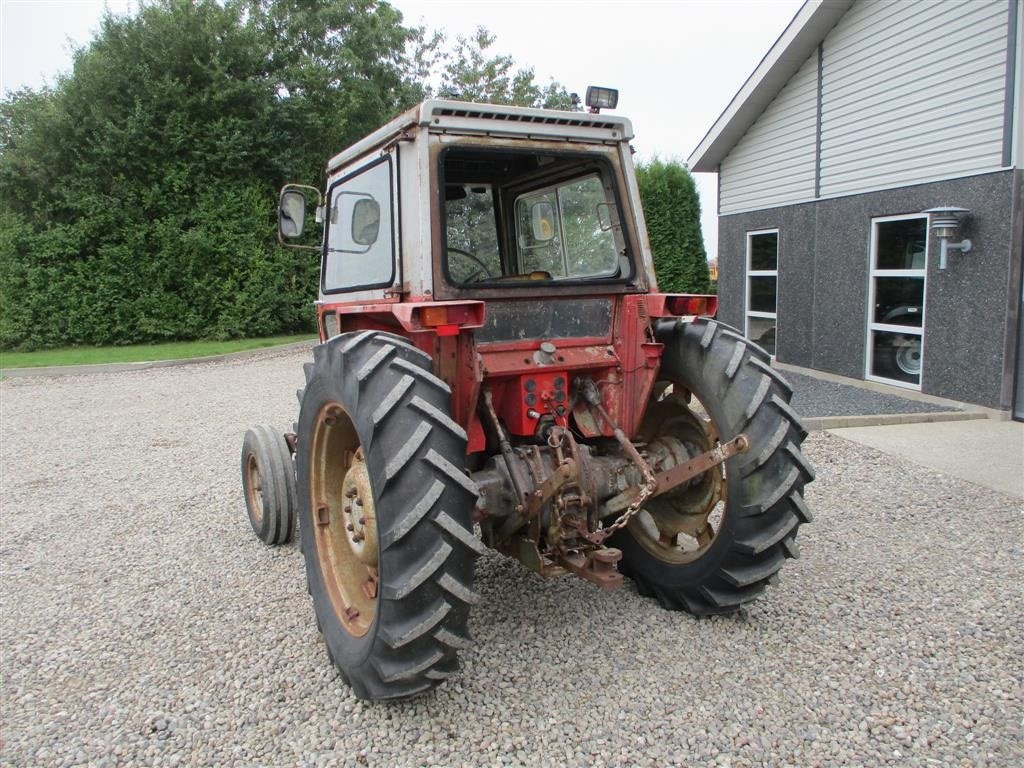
[
  {"x": 339, "y": 69},
  {"x": 672, "y": 209},
  {"x": 472, "y": 74},
  {"x": 137, "y": 195}
]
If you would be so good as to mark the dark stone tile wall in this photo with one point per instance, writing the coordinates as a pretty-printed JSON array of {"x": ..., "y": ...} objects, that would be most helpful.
[{"x": 823, "y": 283}]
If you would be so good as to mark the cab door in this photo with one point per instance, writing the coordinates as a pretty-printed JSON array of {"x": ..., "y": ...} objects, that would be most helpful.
[{"x": 361, "y": 245}]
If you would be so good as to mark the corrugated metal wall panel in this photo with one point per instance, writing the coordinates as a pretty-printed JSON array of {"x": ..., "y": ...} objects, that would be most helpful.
[
  {"x": 774, "y": 161},
  {"x": 912, "y": 91}
]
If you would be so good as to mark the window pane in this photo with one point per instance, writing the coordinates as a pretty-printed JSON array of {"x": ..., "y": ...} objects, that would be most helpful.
[
  {"x": 764, "y": 251},
  {"x": 544, "y": 255},
  {"x": 762, "y": 294},
  {"x": 353, "y": 258},
  {"x": 899, "y": 300},
  {"x": 896, "y": 356},
  {"x": 762, "y": 331},
  {"x": 472, "y": 234},
  {"x": 584, "y": 220},
  {"x": 901, "y": 244},
  {"x": 588, "y": 240}
]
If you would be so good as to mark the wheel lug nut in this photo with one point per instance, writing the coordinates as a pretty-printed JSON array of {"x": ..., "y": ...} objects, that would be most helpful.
[
  {"x": 350, "y": 527},
  {"x": 348, "y": 509},
  {"x": 362, "y": 521}
]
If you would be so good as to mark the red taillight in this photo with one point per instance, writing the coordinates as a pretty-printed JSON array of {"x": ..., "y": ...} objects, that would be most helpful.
[{"x": 692, "y": 305}]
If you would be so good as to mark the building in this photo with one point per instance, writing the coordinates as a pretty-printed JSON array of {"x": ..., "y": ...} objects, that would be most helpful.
[{"x": 864, "y": 116}]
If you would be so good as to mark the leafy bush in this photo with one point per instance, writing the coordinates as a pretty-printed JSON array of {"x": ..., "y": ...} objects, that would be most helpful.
[
  {"x": 672, "y": 209},
  {"x": 137, "y": 195}
]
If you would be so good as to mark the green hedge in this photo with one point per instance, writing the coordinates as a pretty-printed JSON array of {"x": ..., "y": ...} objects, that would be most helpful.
[
  {"x": 672, "y": 209},
  {"x": 137, "y": 196}
]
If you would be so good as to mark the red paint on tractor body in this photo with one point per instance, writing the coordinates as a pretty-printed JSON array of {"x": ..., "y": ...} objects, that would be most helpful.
[{"x": 527, "y": 386}]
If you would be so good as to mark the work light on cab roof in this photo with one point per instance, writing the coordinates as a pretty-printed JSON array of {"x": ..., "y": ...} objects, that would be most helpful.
[{"x": 599, "y": 98}]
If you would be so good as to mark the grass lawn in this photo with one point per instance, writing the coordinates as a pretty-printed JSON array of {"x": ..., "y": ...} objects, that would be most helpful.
[{"x": 139, "y": 352}]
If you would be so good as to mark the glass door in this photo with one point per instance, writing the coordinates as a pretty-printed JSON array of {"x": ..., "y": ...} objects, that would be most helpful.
[{"x": 895, "y": 337}]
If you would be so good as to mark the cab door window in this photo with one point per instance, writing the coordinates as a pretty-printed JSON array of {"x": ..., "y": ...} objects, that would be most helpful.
[{"x": 360, "y": 248}]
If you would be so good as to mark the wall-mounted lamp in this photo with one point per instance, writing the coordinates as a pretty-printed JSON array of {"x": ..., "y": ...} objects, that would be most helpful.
[{"x": 944, "y": 223}]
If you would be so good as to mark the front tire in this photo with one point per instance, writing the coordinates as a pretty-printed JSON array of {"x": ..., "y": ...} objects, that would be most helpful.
[
  {"x": 757, "y": 498},
  {"x": 385, "y": 514},
  {"x": 268, "y": 482}
]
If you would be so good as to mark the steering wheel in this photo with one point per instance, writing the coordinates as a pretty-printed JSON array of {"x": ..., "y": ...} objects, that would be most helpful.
[{"x": 484, "y": 269}]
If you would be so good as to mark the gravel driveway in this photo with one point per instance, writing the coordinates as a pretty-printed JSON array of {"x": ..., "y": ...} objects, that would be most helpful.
[{"x": 142, "y": 623}]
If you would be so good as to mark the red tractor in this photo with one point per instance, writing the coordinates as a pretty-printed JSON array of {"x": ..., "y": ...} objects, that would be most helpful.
[{"x": 495, "y": 351}]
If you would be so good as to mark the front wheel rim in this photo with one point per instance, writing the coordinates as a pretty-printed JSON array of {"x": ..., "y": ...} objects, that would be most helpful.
[
  {"x": 254, "y": 488},
  {"x": 344, "y": 520}
]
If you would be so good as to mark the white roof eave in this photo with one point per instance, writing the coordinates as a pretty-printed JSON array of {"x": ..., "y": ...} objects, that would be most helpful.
[{"x": 803, "y": 34}]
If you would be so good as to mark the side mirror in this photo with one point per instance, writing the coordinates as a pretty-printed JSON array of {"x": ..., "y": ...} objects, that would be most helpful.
[
  {"x": 542, "y": 221},
  {"x": 292, "y": 207},
  {"x": 291, "y": 214},
  {"x": 605, "y": 218}
]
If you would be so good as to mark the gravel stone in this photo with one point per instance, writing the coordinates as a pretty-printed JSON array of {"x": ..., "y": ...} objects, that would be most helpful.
[
  {"x": 143, "y": 624},
  {"x": 817, "y": 397}
]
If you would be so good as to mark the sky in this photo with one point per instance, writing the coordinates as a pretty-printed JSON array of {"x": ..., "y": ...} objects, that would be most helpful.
[{"x": 676, "y": 64}]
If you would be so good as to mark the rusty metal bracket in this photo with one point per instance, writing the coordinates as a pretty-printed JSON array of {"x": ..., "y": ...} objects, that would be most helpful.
[
  {"x": 566, "y": 473},
  {"x": 681, "y": 473},
  {"x": 598, "y": 567}
]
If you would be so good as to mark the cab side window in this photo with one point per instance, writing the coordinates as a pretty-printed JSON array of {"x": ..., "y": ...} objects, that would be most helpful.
[{"x": 360, "y": 248}]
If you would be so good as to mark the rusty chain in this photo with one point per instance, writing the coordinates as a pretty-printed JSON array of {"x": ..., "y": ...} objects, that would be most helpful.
[{"x": 650, "y": 486}]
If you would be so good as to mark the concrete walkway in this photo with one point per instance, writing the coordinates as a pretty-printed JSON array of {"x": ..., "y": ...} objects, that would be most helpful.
[{"x": 988, "y": 452}]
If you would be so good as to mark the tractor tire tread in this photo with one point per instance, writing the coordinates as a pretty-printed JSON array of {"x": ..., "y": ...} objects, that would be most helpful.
[
  {"x": 412, "y": 575},
  {"x": 408, "y": 521},
  {"x": 765, "y": 500},
  {"x": 766, "y": 537},
  {"x": 411, "y": 630},
  {"x": 460, "y": 534},
  {"x": 277, "y": 473},
  {"x": 426, "y": 548}
]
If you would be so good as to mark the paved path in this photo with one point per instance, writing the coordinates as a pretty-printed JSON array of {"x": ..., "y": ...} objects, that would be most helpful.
[
  {"x": 815, "y": 397},
  {"x": 984, "y": 451}
]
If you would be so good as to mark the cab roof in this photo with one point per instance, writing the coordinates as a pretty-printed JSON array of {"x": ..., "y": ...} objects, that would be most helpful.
[{"x": 460, "y": 117}]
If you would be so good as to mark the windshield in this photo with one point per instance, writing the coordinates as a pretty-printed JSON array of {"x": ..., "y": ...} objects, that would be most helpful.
[{"x": 531, "y": 217}]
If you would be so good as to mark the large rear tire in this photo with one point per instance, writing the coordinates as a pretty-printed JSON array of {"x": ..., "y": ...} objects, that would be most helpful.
[
  {"x": 385, "y": 514},
  {"x": 743, "y": 517}
]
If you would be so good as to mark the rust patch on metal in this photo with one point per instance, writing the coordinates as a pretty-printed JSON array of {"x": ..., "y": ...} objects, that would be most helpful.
[{"x": 599, "y": 567}]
